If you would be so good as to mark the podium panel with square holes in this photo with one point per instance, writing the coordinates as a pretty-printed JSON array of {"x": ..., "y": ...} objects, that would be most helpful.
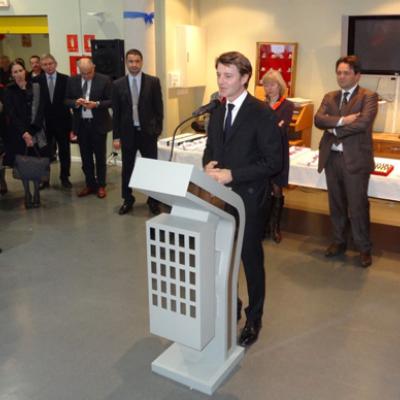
[{"x": 193, "y": 258}]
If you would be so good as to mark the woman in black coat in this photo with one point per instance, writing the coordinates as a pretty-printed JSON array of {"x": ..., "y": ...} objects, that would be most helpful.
[
  {"x": 21, "y": 127},
  {"x": 275, "y": 92}
]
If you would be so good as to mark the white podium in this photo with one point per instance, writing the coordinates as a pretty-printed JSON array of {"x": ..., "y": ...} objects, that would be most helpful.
[{"x": 193, "y": 260}]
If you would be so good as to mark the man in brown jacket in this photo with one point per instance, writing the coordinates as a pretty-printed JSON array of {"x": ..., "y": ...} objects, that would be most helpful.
[{"x": 346, "y": 154}]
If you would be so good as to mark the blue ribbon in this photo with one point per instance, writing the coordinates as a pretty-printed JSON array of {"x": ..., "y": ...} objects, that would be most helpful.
[{"x": 148, "y": 18}]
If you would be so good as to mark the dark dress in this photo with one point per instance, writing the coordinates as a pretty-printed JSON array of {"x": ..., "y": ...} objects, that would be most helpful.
[
  {"x": 284, "y": 112},
  {"x": 18, "y": 112}
]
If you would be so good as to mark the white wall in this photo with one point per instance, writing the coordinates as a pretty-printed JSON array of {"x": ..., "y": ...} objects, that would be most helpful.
[
  {"x": 12, "y": 47},
  {"x": 71, "y": 18},
  {"x": 178, "y": 103},
  {"x": 314, "y": 24}
]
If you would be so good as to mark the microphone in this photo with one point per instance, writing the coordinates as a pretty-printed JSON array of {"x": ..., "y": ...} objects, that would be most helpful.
[{"x": 212, "y": 105}]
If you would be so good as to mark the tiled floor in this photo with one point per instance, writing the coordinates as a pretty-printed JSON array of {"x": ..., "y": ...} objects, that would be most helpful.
[{"x": 74, "y": 320}]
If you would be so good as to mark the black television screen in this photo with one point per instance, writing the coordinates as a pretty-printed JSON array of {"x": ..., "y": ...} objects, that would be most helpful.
[{"x": 376, "y": 41}]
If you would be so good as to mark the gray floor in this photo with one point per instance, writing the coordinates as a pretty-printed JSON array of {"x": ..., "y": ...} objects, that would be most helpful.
[{"x": 74, "y": 322}]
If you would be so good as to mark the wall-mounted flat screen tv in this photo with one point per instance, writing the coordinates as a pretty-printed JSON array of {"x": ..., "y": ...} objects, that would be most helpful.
[{"x": 375, "y": 39}]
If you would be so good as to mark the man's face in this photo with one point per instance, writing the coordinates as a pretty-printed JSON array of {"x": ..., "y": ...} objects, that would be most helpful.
[
  {"x": 35, "y": 64},
  {"x": 230, "y": 83},
  {"x": 87, "y": 71},
  {"x": 134, "y": 63},
  {"x": 346, "y": 77},
  {"x": 48, "y": 65}
]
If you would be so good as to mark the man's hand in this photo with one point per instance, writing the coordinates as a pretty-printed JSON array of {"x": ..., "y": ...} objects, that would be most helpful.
[
  {"x": 116, "y": 144},
  {"x": 28, "y": 139},
  {"x": 80, "y": 102},
  {"x": 221, "y": 175},
  {"x": 90, "y": 104},
  {"x": 348, "y": 119}
]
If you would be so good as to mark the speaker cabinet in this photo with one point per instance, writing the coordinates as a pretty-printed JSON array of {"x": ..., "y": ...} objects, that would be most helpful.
[{"x": 108, "y": 56}]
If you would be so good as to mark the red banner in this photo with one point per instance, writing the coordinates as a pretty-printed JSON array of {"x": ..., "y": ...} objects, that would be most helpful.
[
  {"x": 86, "y": 43},
  {"x": 72, "y": 43}
]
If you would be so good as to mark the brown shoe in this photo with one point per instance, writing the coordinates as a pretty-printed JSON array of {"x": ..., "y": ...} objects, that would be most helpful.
[
  {"x": 101, "y": 192},
  {"x": 365, "y": 259},
  {"x": 335, "y": 249},
  {"x": 86, "y": 191}
]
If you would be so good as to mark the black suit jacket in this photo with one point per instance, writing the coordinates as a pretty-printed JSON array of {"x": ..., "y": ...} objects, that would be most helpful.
[
  {"x": 253, "y": 151},
  {"x": 56, "y": 112},
  {"x": 100, "y": 91},
  {"x": 150, "y": 107},
  {"x": 356, "y": 137}
]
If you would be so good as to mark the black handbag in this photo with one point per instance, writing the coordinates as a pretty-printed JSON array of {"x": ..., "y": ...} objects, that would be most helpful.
[{"x": 31, "y": 168}]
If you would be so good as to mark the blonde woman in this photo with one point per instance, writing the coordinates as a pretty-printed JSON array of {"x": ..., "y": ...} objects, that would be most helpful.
[{"x": 275, "y": 94}]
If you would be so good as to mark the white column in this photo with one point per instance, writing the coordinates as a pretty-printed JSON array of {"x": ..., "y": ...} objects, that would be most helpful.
[{"x": 141, "y": 35}]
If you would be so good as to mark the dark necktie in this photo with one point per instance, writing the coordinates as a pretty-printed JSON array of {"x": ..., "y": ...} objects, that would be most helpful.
[
  {"x": 228, "y": 121},
  {"x": 84, "y": 90},
  {"x": 345, "y": 100}
]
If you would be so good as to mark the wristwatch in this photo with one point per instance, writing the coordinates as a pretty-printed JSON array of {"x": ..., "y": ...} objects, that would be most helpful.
[{"x": 97, "y": 104}]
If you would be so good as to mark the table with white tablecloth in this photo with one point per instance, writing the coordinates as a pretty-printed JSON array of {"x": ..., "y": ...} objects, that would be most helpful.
[{"x": 303, "y": 166}]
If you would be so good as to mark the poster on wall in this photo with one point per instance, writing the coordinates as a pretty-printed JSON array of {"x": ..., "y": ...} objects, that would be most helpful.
[
  {"x": 278, "y": 56},
  {"x": 72, "y": 43},
  {"x": 86, "y": 43}
]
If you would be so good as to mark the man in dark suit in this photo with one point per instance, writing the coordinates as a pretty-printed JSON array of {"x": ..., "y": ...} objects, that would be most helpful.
[
  {"x": 53, "y": 86},
  {"x": 346, "y": 154},
  {"x": 36, "y": 68},
  {"x": 137, "y": 121},
  {"x": 243, "y": 151},
  {"x": 89, "y": 96}
]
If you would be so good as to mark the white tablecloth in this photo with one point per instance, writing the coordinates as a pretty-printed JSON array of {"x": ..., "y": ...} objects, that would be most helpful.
[{"x": 303, "y": 167}]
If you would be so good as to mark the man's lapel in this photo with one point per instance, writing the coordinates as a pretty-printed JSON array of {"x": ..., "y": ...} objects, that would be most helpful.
[{"x": 240, "y": 119}]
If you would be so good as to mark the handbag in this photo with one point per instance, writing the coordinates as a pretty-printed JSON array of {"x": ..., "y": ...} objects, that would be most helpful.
[{"x": 31, "y": 168}]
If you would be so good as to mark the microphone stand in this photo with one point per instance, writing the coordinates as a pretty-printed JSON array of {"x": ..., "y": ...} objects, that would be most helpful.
[{"x": 174, "y": 135}]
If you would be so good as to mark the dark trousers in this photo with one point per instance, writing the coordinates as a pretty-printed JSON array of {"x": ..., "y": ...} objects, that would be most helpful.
[
  {"x": 147, "y": 145},
  {"x": 253, "y": 263},
  {"x": 253, "y": 260},
  {"x": 60, "y": 135},
  {"x": 348, "y": 200},
  {"x": 92, "y": 143}
]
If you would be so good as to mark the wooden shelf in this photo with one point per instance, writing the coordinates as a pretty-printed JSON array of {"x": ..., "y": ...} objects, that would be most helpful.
[
  {"x": 301, "y": 125},
  {"x": 386, "y": 145}
]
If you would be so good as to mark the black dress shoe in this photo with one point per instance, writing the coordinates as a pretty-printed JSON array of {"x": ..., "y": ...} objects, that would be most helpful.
[
  {"x": 65, "y": 183},
  {"x": 154, "y": 206},
  {"x": 239, "y": 309},
  {"x": 365, "y": 259},
  {"x": 250, "y": 332},
  {"x": 44, "y": 185},
  {"x": 125, "y": 208},
  {"x": 335, "y": 249}
]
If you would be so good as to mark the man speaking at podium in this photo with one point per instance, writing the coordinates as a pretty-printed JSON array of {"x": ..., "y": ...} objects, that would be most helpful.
[{"x": 243, "y": 151}]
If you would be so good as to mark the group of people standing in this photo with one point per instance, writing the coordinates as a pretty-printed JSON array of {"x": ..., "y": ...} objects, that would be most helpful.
[
  {"x": 247, "y": 145},
  {"x": 136, "y": 123}
]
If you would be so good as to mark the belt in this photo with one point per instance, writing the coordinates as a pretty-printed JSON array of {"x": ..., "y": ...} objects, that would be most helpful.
[
  {"x": 87, "y": 119},
  {"x": 337, "y": 151},
  {"x": 138, "y": 128}
]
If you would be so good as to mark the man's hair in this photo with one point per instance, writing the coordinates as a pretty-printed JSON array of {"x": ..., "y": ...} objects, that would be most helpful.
[
  {"x": 352, "y": 61},
  {"x": 46, "y": 56},
  {"x": 134, "y": 52},
  {"x": 241, "y": 62},
  {"x": 34, "y": 56}
]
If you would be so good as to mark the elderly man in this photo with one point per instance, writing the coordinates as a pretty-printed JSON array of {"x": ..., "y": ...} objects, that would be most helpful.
[
  {"x": 89, "y": 96},
  {"x": 53, "y": 85}
]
